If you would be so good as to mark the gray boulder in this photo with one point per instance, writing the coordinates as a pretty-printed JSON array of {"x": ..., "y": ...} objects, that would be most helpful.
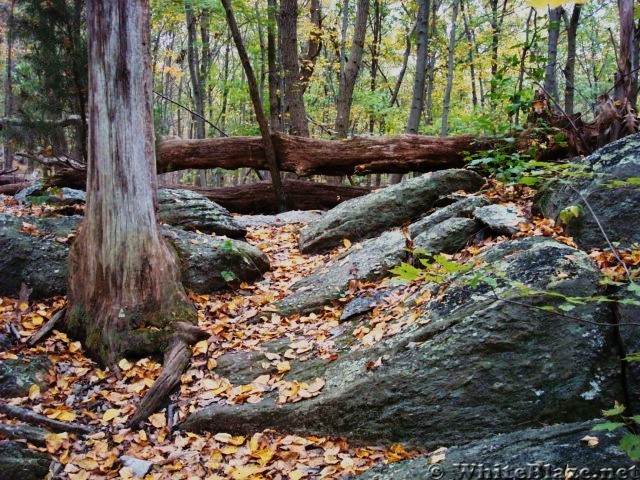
[
  {"x": 39, "y": 260},
  {"x": 461, "y": 208},
  {"x": 448, "y": 236},
  {"x": 500, "y": 218},
  {"x": 213, "y": 263},
  {"x": 628, "y": 315},
  {"x": 53, "y": 195},
  {"x": 19, "y": 463},
  {"x": 369, "y": 263},
  {"x": 17, "y": 376},
  {"x": 550, "y": 452},
  {"x": 292, "y": 216},
  {"x": 390, "y": 207},
  {"x": 193, "y": 211},
  {"x": 440, "y": 232},
  {"x": 609, "y": 184},
  {"x": 478, "y": 360}
]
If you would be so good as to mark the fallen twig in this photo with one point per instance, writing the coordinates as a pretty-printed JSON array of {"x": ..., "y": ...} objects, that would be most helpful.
[
  {"x": 36, "y": 419},
  {"x": 46, "y": 329}
]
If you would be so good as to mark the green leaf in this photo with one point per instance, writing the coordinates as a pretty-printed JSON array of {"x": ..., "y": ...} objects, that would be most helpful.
[
  {"x": 634, "y": 288},
  {"x": 406, "y": 272},
  {"x": 636, "y": 418},
  {"x": 630, "y": 444},
  {"x": 566, "y": 307},
  {"x": 632, "y": 357},
  {"x": 228, "y": 276},
  {"x": 609, "y": 426},
  {"x": 616, "y": 410},
  {"x": 451, "y": 267},
  {"x": 530, "y": 181}
]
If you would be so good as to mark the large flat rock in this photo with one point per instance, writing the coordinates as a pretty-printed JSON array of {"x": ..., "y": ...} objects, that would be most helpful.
[
  {"x": 478, "y": 360},
  {"x": 551, "y": 452},
  {"x": 610, "y": 185},
  {"x": 390, "y": 207}
]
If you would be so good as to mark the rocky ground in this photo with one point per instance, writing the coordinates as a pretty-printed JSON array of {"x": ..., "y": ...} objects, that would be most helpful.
[{"x": 327, "y": 365}]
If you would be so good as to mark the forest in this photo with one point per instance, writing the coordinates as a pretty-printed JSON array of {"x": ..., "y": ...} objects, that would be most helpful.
[{"x": 299, "y": 239}]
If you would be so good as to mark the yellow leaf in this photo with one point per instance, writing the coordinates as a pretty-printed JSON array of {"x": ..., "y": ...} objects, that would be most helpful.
[
  {"x": 34, "y": 391},
  {"x": 215, "y": 461},
  {"x": 346, "y": 242},
  {"x": 297, "y": 475},
  {"x": 229, "y": 450},
  {"x": 201, "y": 348},
  {"x": 75, "y": 347},
  {"x": 158, "y": 420},
  {"x": 63, "y": 415},
  {"x": 244, "y": 472},
  {"x": 263, "y": 456},
  {"x": 110, "y": 414},
  {"x": 56, "y": 441},
  {"x": 283, "y": 366},
  {"x": 125, "y": 365},
  {"x": 24, "y": 306}
]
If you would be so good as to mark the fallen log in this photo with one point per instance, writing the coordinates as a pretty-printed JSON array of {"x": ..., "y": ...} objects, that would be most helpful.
[
  {"x": 258, "y": 197},
  {"x": 314, "y": 156},
  {"x": 13, "y": 188}
]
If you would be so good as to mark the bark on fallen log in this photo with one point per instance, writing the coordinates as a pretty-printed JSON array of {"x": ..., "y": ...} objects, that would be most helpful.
[
  {"x": 313, "y": 156},
  {"x": 13, "y": 188},
  {"x": 258, "y": 197}
]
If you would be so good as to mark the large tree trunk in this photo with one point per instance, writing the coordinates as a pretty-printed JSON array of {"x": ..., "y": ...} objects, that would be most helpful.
[
  {"x": 312, "y": 156},
  {"x": 125, "y": 295},
  {"x": 351, "y": 69},
  {"x": 292, "y": 85}
]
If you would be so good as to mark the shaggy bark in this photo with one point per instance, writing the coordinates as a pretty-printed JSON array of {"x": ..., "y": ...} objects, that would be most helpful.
[{"x": 125, "y": 295}]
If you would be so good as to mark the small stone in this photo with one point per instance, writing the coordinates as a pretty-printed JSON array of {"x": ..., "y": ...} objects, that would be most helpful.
[
  {"x": 138, "y": 467},
  {"x": 500, "y": 218}
]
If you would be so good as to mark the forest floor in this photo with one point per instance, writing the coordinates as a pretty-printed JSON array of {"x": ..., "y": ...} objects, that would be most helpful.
[{"x": 84, "y": 393}]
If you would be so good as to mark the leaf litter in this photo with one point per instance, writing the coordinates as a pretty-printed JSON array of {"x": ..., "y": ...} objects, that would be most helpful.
[{"x": 240, "y": 320}]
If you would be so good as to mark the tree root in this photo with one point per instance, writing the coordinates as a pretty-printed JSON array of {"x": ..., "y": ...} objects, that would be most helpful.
[
  {"x": 46, "y": 329},
  {"x": 176, "y": 360},
  {"x": 31, "y": 434},
  {"x": 36, "y": 419}
]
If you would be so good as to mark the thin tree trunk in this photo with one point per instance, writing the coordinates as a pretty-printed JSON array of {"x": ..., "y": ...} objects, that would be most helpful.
[
  {"x": 528, "y": 42},
  {"x": 125, "y": 296},
  {"x": 274, "y": 71},
  {"x": 550, "y": 71},
  {"x": 403, "y": 69},
  {"x": 450, "y": 67},
  {"x": 431, "y": 67},
  {"x": 293, "y": 88},
  {"x": 472, "y": 48},
  {"x": 417, "y": 102},
  {"x": 314, "y": 45},
  {"x": 624, "y": 75},
  {"x": 351, "y": 70},
  {"x": 375, "y": 52},
  {"x": 570, "y": 65},
  {"x": 254, "y": 92},
  {"x": 8, "y": 87}
]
